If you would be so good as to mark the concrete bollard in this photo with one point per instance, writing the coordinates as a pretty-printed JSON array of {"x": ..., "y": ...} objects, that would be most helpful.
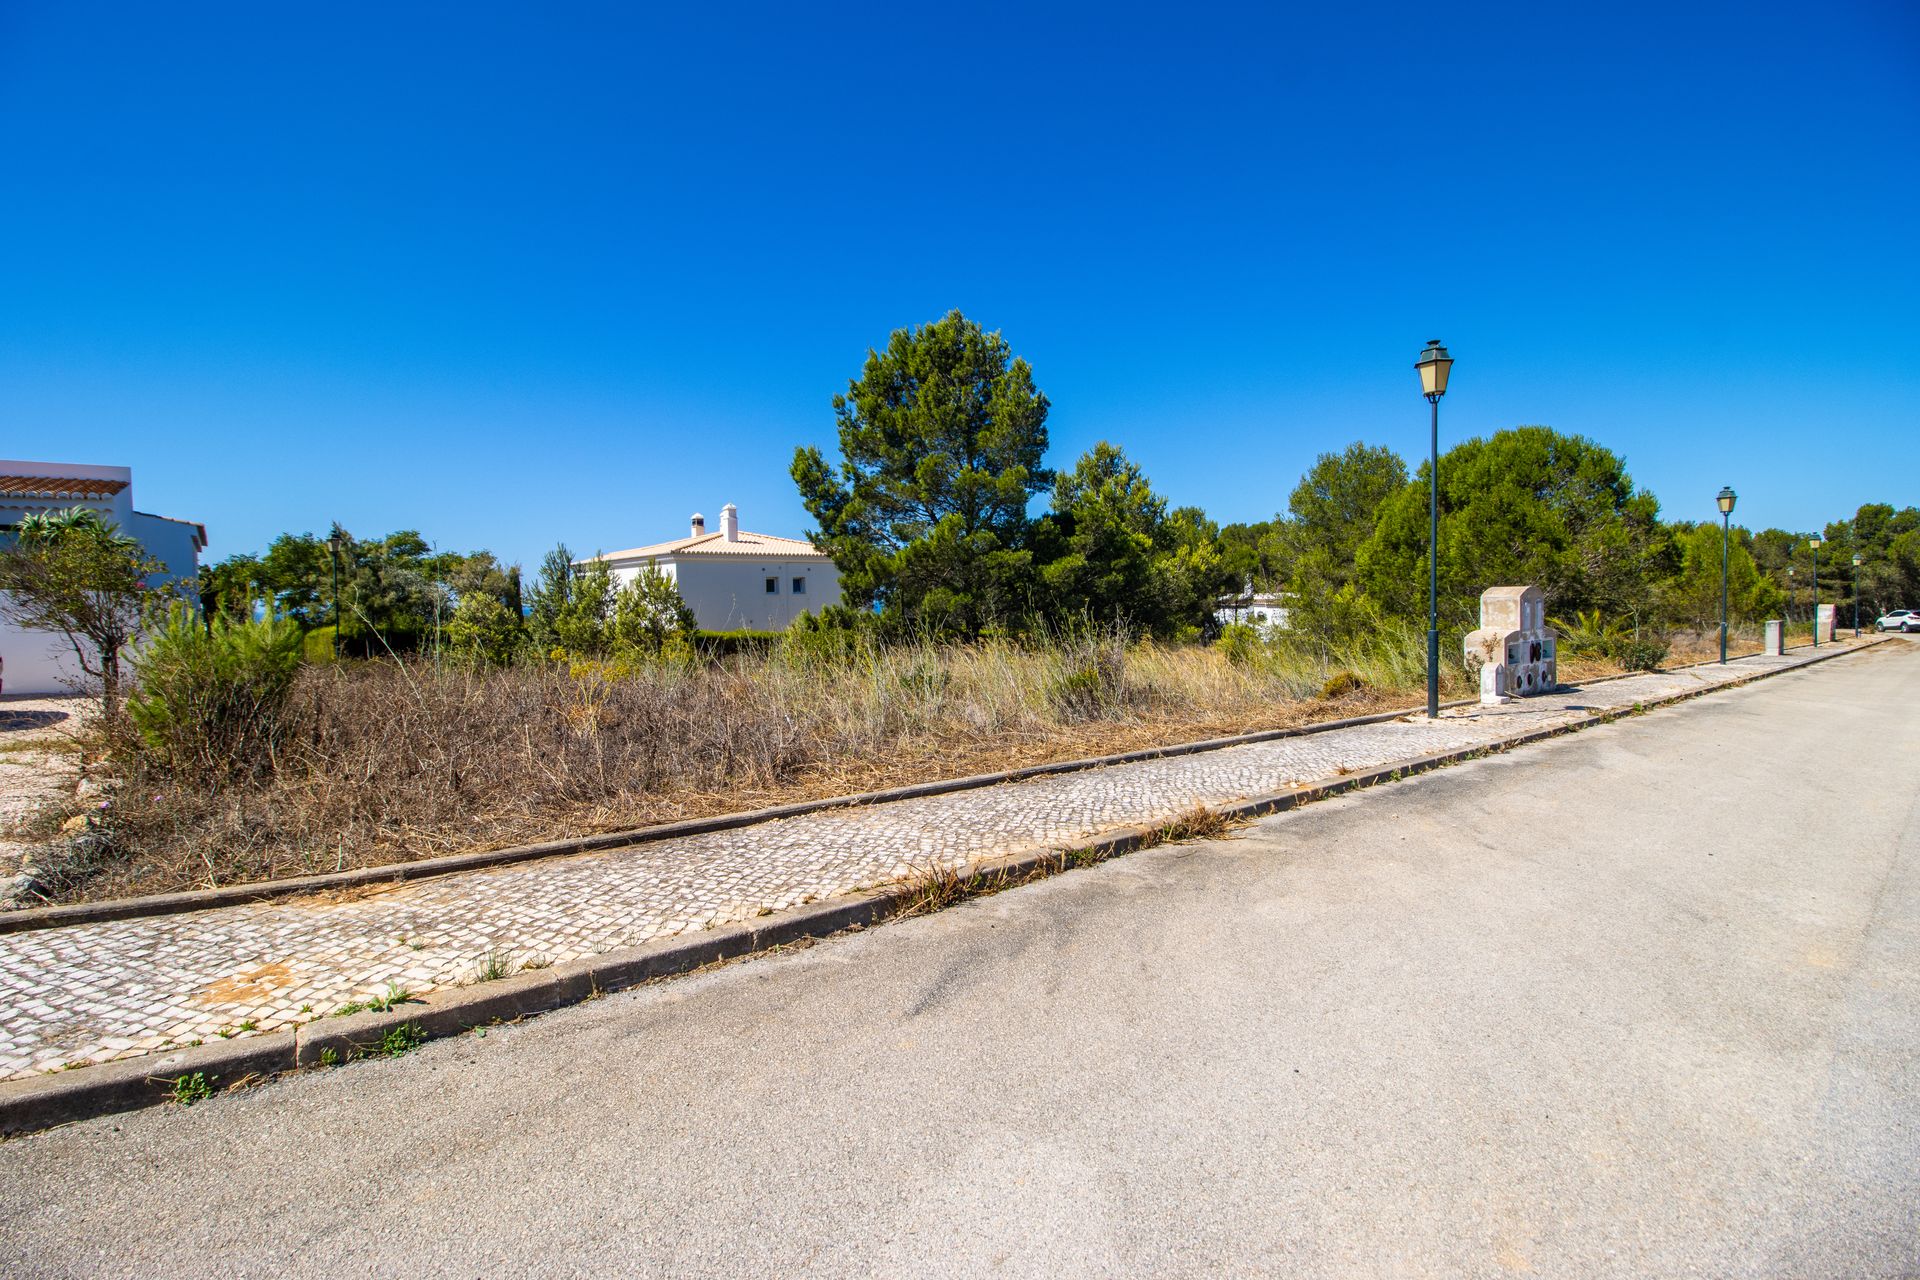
[
  {"x": 1775, "y": 642},
  {"x": 1828, "y": 621}
]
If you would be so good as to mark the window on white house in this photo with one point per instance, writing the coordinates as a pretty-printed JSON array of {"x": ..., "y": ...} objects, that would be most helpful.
[
  {"x": 773, "y": 586},
  {"x": 799, "y": 586}
]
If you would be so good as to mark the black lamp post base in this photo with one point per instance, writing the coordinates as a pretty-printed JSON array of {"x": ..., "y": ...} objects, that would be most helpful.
[{"x": 1433, "y": 673}]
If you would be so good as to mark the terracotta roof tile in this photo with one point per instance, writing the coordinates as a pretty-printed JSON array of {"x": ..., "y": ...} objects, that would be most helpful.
[
  {"x": 751, "y": 545},
  {"x": 58, "y": 487}
]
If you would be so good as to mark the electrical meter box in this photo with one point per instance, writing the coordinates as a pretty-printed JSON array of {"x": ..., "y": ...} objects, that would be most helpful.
[{"x": 1515, "y": 651}]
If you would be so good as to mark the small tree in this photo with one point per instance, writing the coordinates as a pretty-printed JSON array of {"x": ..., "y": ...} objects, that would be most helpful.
[
  {"x": 583, "y": 624},
  {"x": 75, "y": 574},
  {"x": 482, "y": 628},
  {"x": 650, "y": 616},
  {"x": 552, "y": 592}
]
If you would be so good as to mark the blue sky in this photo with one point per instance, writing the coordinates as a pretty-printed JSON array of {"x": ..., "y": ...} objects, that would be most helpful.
[{"x": 511, "y": 274}]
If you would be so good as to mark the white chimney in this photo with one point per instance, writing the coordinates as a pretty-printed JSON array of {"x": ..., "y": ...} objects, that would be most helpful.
[
  {"x": 730, "y": 523},
  {"x": 699, "y": 524}
]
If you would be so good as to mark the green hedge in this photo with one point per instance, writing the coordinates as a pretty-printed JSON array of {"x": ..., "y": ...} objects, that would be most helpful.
[{"x": 720, "y": 644}]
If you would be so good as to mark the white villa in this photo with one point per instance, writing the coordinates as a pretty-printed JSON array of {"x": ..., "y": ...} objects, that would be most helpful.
[
  {"x": 39, "y": 662},
  {"x": 1260, "y": 610},
  {"x": 734, "y": 580}
]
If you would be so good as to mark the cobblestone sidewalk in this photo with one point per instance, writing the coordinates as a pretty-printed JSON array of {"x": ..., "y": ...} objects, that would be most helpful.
[{"x": 92, "y": 993}]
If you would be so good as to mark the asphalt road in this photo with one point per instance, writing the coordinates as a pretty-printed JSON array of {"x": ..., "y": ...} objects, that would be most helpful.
[{"x": 1641, "y": 1001}]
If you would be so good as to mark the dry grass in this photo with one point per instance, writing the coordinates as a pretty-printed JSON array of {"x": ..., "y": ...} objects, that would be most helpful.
[
  {"x": 1197, "y": 823},
  {"x": 380, "y": 762},
  {"x": 934, "y": 888}
]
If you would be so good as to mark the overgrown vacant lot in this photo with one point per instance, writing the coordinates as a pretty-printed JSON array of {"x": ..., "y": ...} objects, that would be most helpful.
[{"x": 378, "y": 762}]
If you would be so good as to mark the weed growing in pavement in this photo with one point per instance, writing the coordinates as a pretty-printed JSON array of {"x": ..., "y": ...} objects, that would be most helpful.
[
  {"x": 395, "y": 994},
  {"x": 932, "y": 889},
  {"x": 401, "y": 1039},
  {"x": 533, "y": 963},
  {"x": 329, "y": 1058},
  {"x": 1197, "y": 823},
  {"x": 495, "y": 965},
  {"x": 190, "y": 1089}
]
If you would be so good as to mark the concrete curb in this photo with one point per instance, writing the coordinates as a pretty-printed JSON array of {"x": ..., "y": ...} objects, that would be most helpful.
[
  {"x": 161, "y": 904},
  {"x": 41, "y": 1102}
]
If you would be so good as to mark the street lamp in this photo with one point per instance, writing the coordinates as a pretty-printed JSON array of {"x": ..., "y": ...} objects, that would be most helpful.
[
  {"x": 1814, "y": 543},
  {"x": 1726, "y": 500},
  {"x": 1856, "y": 596},
  {"x": 1433, "y": 366},
  {"x": 333, "y": 554}
]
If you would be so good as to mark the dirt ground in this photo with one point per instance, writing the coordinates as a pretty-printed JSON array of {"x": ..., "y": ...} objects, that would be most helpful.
[{"x": 39, "y": 766}]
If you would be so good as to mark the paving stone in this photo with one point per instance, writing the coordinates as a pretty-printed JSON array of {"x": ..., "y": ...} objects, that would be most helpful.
[{"x": 122, "y": 987}]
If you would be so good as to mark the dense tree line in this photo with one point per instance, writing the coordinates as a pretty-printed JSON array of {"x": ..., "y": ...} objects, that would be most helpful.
[
  {"x": 943, "y": 444},
  {"x": 373, "y": 595},
  {"x": 944, "y": 518}
]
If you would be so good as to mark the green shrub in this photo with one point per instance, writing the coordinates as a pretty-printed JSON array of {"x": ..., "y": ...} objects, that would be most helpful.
[
  {"x": 1340, "y": 684},
  {"x": 1642, "y": 654},
  {"x": 211, "y": 694},
  {"x": 650, "y": 617},
  {"x": 485, "y": 630},
  {"x": 834, "y": 635},
  {"x": 320, "y": 645},
  {"x": 1588, "y": 635},
  {"x": 721, "y": 644},
  {"x": 1240, "y": 644}
]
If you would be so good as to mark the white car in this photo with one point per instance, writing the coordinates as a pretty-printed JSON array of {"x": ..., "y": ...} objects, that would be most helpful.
[{"x": 1900, "y": 620}]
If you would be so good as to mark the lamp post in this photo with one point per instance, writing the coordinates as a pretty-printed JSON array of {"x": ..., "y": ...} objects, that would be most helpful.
[
  {"x": 1814, "y": 544},
  {"x": 1433, "y": 366},
  {"x": 1725, "y": 499},
  {"x": 333, "y": 554},
  {"x": 1856, "y": 596}
]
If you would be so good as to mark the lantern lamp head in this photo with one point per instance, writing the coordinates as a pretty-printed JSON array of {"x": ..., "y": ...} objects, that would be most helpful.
[
  {"x": 1726, "y": 500},
  {"x": 1433, "y": 365}
]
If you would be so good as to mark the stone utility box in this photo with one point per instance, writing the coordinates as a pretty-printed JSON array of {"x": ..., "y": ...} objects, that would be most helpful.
[{"x": 1515, "y": 649}]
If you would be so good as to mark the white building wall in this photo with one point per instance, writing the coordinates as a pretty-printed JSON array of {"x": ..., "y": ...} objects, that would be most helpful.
[
  {"x": 40, "y": 662},
  {"x": 1265, "y": 612},
  {"x": 729, "y": 593},
  {"x": 171, "y": 542}
]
